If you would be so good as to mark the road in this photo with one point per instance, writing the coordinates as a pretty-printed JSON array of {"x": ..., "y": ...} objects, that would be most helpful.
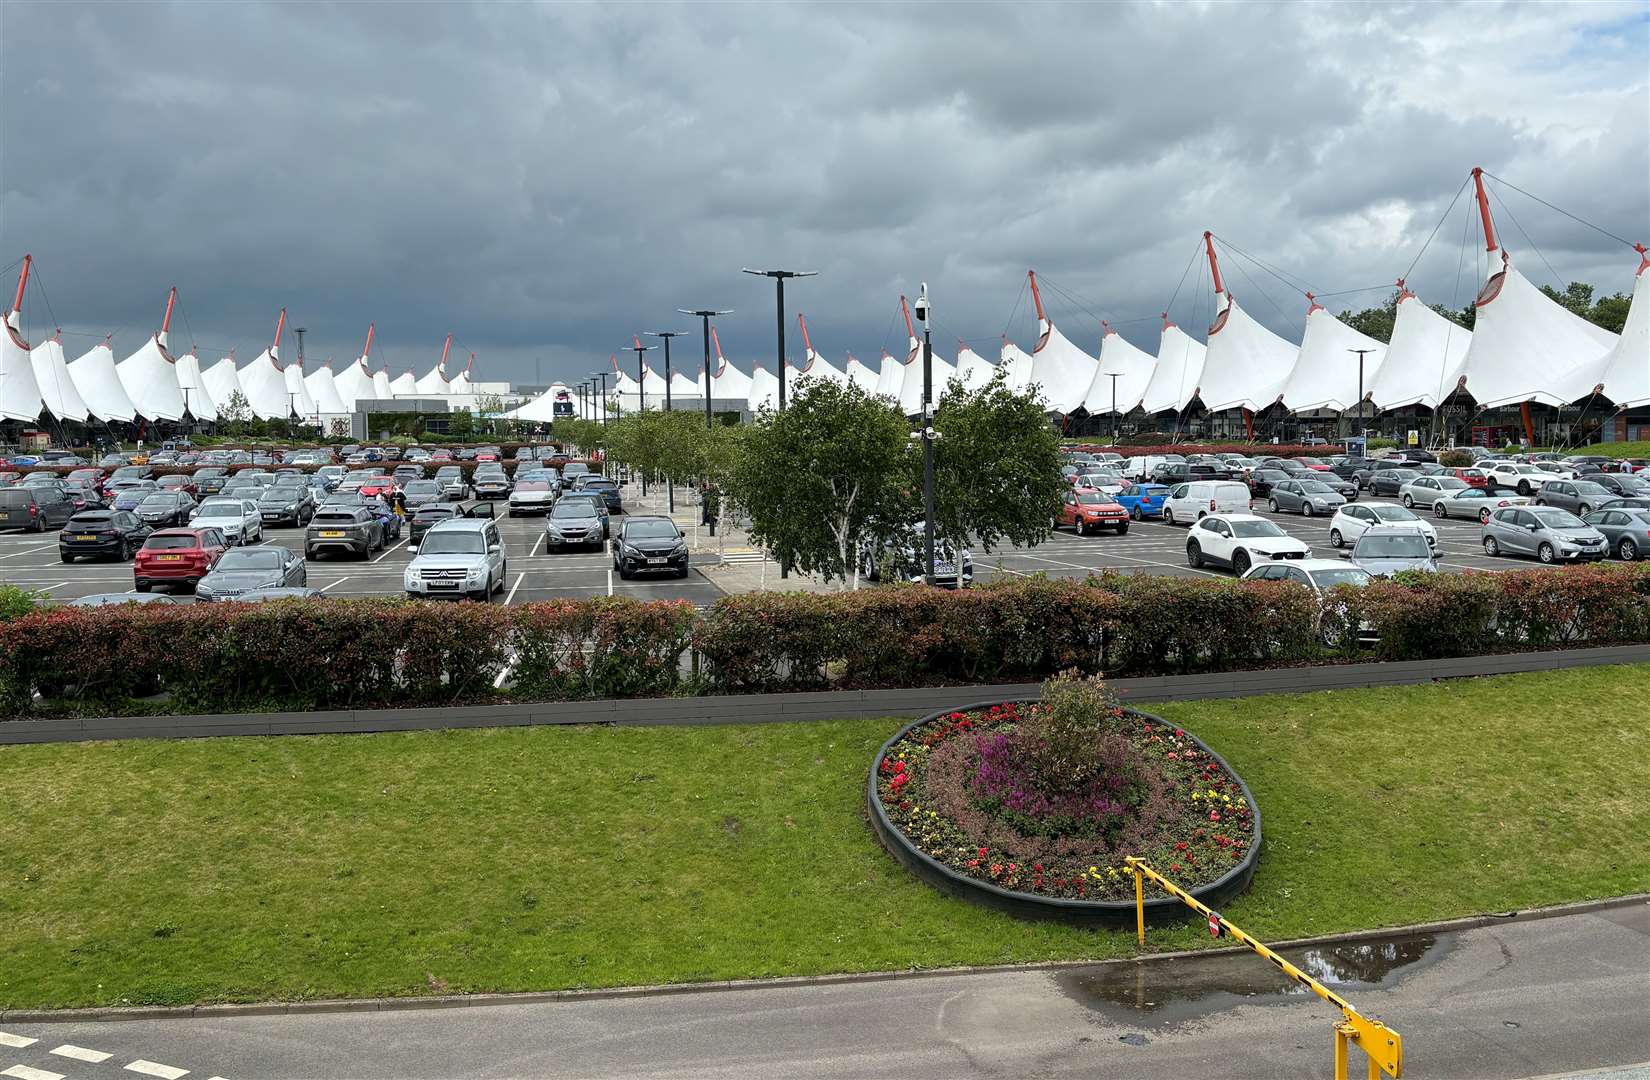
[{"x": 1523, "y": 998}]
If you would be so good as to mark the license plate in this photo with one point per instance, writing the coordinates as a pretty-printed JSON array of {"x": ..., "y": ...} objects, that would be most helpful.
[
  {"x": 331, "y": 534},
  {"x": 168, "y": 558},
  {"x": 442, "y": 585},
  {"x": 88, "y": 539},
  {"x": 657, "y": 562},
  {"x": 944, "y": 568}
]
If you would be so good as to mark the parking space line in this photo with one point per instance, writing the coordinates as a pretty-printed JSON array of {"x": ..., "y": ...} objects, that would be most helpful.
[
  {"x": 387, "y": 551},
  {"x": 512, "y": 593},
  {"x": 80, "y": 1053},
  {"x": 340, "y": 581},
  {"x": 534, "y": 550},
  {"x": 49, "y": 588},
  {"x": 25, "y": 1072},
  {"x": 155, "y": 1068},
  {"x": 26, "y": 551},
  {"x": 16, "y": 1042}
]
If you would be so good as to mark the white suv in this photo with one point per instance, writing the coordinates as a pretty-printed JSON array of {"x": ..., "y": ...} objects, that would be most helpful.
[
  {"x": 1240, "y": 541},
  {"x": 458, "y": 557},
  {"x": 1526, "y": 479}
]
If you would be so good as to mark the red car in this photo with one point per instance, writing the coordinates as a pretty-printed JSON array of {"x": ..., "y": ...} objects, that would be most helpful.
[
  {"x": 1314, "y": 463},
  {"x": 1085, "y": 508},
  {"x": 378, "y": 485},
  {"x": 1472, "y": 477},
  {"x": 179, "y": 482},
  {"x": 441, "y": 455},
  {"x": 177, "y": 557}
]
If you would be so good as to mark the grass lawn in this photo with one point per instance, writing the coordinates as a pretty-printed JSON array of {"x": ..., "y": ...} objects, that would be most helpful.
[{"x": 239, "y": 869}]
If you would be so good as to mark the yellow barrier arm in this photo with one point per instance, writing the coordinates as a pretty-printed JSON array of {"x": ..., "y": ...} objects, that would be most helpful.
[{"x": 1384, "y": 1047}]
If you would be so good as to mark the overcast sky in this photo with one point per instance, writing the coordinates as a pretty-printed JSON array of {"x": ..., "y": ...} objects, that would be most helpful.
[{"x": 542, "y": 181}]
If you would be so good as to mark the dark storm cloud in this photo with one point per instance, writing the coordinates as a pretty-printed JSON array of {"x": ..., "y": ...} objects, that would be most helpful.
[{"x": 544, "y": 180}]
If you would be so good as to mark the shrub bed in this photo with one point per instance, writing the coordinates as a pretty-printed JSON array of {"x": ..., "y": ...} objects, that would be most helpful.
[
  {"x": 1249, "y": 449},
  {"x": 393, "y": 652},
  {"x": 1043, "y": 801}
]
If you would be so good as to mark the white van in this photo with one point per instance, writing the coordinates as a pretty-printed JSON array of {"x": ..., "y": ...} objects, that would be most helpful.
[
  {"x": 1140, "y": 467},
  {"x": 1188, "y": 503}
]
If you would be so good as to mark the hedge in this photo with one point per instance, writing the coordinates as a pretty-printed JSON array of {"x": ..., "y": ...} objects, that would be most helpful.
[
  {"x": 1257, "y": 450},
  {"x": 467, "y": 468},
  {"x": 327, "y": 654}
]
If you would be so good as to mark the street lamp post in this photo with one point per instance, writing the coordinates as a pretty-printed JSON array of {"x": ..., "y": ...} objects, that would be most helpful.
[
  {"x": 779, "y": 277},
  {"x": 1113, "y": 375},
  {"x": 670, "y": 485},
  {"x": 1361, "y": 354},
  {"x": 928, "y": 436},
  {"x": 706, "y": 315},
  {"x": 602, "y": 375},
  {"x": 641, "y": 395}
]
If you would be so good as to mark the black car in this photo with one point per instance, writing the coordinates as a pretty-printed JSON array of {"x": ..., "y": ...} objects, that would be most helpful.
[
  {"x": 1621, "y": 485},
  {"x": 491, "y": 485},
  {"x": 602, "y": 486},
  {"x": 1388, "y": 481},
  {"x": 165, "y": 509},
  {"x": 286, "y": 504},
  {"x": 649, "y": 545},
  {"x": 1350, "y": 468},
  {"x": 1418, "y": 455},
  {"x": 427, "y": 516},
  {"x": 210, "y": 480},
  {"x": 1261, "y": 481},
  {"x": 36, "y": 507},
  {"x": 108, "y": 534}
]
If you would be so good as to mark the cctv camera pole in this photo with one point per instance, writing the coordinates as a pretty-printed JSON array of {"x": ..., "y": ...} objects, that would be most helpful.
[
  {"x": 602, "y": 375},
  {"x": 670, "y": 485},
  {"x": 706, "y": 315},
  {"x": 779, "y": 277},
  {"x": 1361, "y": 354},
  {"x": 928, "y": 437}
]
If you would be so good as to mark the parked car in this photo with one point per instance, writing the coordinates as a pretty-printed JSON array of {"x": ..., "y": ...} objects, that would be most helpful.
[
  {"x": 165, "y": 509},
  {"x": 126, "y": 494},
  {"x": 1427, "y": 490},
  {"x": 379, "y": 486},
  {"x": 1619, "y": 485},
  {"x": 460, "y": 557},
  {"x": 575, "y": 522},
  {"x": 109, "y": 534},
  {"x": 602, "y": 486},
  {"x": 1390, "y": 481},
  {"x": 1472, "y": 477},
  {"x": 652, "y": 544},
  {"x": 117, "y": 598},
  {"x": 237, "y": 518},
  {"x": 287, "y": 504},
  {"x": 1580, "y": 497},
  {"x": 177, "y": 557},
  {"x": 1308, "y": 497},
  {"x": 210, "y": 480},
  {"x": 283, "y": 592},
  {"x": 1320, "y": 577},
  {"x": 351, "y": 530},
  {"x": 420, "y": 493},
  {"x": 906, "y": 560},
  {"x": 1084, "y": 509},
  {"x": 35, "y": 509},
  {"x": 425, "y": 518},
  {"x": 1386, "y": 550},
  {"x": 1474, "y": 502},
  {"x": 1550, "y": 534},
  {"x": 1239, "y": 541},
  {"x": 1521, "y": 477},
  {"x": 453, "y": 485},
  {"x": 531, "y": 497},
  {"x": 1352, "y": 520},
  {"x": 240, "y": 571},
  {"x": 1626, "y": 530},
  {"x": 596, "y": 502},
  {"x": 1188, "y": 502},
  {"x": 1261, "y": 480},
  {"x": 1142, "y": 500},
  {"x": 1627, "y": 504}
]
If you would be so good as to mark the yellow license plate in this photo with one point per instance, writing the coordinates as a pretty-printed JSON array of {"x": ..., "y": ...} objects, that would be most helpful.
[
  {"x": 93, "y": 538},
  {"x": 168, "y": 558},
  {"x": 330, "y": 533}
]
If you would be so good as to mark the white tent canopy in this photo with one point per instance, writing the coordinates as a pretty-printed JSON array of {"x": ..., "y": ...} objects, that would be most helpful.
[
  {"x": 859, "y": 375},
  {"x": 813, "y": 366},
  {"x": 890, "y": 377},
  {"x": 1133, "y": 367},
  {"x": 542, "y": 409},
  {"x": 1325, "y": 375},
  {"x": 303, "y": 403},
  {"x": 404, "y": 385},
  {"x": 1178, "y": 374},
  {"x": 151, "y": 379},
  {"x": 381, "y": 384},
  {"x": 683, "y": 388},
  {"x": 264, "y": 385},
  {"x": 764, "y": 392},
  {"x": 1423, "y": 359},
  {"x": 1246, "y": 365},
  {"x": 1626, "y": 368},
  {"x": 355, "y": 384},
  {"x": 197, "y": 396},
  {"x": 1527, "y": 347},
  {"x": 910, "y": 391},
  {"x": 1063, "y": 372},
  {"x": 19, "y": 393},
  {"x": 973, "y": 369},
  {"x": 433, "y": 383},
  {"x": 727, "y": 382},
  {"x": 57, "y": 388},
  {"x": 223, "y": 383},
  {"x": 1017, "y": 365},
  {"x": 462, "y": 384},
  {"x": 323, "y": 390},
  {"x": 100, "y": 387}
]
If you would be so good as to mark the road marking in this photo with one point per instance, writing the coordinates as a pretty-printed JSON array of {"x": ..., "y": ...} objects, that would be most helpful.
[
  {"x": 80, "y": 1053},
  {"x": 387, "y": 551},
  {"x": 49, "y": 588},
  {"x": 512, "y": 593},
  {"x": 25, "y": 551},
  {"x": 340, "y": 581},
  {"x": 534, "y": 550},
  {"x": 17, "y": 1042},
  {"x": 155, "y": 1068},
  {"x": 24, "y": 1072}
]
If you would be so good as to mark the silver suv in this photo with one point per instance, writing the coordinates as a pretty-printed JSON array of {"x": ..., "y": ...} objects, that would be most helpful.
[{"x": 458, "y": 557}]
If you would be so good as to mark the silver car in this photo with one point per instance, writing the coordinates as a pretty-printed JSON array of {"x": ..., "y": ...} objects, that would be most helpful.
[
  {"x": 1577, "y": 496},
  {"x": 1306, "y": 497},
  {"x": 1472, "y": 502},
  {"x": 1385, "y": 550},
  {"x": 1626, "y": 530},
  {"x": 1550, "y": 534},
  {"x": 1427, "y": 490}
]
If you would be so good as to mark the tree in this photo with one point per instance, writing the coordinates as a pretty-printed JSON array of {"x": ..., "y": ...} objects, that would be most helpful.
[
  {"x": 825, "y": 477},
  {"x": 461, "y": 425},
  {"x": 1376, "y": 321},
  {"x": 236, "y": 412},
  {"x": 996, "y": 467}
]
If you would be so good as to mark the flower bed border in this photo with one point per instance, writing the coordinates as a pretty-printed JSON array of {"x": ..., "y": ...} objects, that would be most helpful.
[{"x": 1105, "y": 913}]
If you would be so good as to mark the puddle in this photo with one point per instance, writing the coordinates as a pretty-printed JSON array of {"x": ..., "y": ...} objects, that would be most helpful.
[{"x": 1168, "y": 993}]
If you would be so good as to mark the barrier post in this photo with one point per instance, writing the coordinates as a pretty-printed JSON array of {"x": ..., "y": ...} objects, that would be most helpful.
[{"x": 1139, "y": 904}]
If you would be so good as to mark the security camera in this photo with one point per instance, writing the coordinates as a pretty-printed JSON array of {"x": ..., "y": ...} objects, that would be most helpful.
[{"x": 922, "y": 304}]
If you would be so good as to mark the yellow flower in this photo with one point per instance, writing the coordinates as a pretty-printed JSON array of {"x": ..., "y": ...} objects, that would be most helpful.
[{"x": 1093, "y": 870}]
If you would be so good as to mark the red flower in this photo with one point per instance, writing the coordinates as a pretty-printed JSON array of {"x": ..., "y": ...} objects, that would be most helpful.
[
  {"x": 982, "y": 853},
  {"x": 1181, "y": 846},
  {"x": 1214, "y": 815},
  {"x": 973, "y": 863},
  {"x": 1038, "y": 867},
  {"x": 1179, "y": 734}
]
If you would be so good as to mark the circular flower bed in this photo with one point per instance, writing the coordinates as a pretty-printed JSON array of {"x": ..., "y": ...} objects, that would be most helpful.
[{"x": 1031, "y": 807}]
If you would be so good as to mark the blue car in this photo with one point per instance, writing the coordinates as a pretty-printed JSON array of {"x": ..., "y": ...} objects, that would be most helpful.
[{"x": 1142, "y": 500}]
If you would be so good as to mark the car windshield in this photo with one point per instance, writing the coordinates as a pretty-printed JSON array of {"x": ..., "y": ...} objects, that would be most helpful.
[
  {"x": 100, "y": 517},
  {"x": 325, "y": 519},
  {"x": 159, "y": 501},
  {"x": 600, "y": 485},
  {"x": 1340, "y": 575},
  {"x": 451, "y": 542},
  {"x": 1554, "y": 518},
  {"x": 1255, "y": 528},
  {"x": 1592, "y": 490},
  {"x": 1393, "y": 546},
  {"x": 533, "y": 485},
  {"x": 220, "y": 509},
  {"x": 422, "y": 487},
  {"x": 250, "y": 559},
  {"x": 174, "y": 542},
  {"x": 447, "y": 472},
  {"x": 1091, "y": 498},
  {"x": 1316, "y": 487},
  {"x": 573, "y": 508},
  {"x": 649, "y": 530},
  {"x": 1392, "y": 513},
  {"x": 1472, "y": 493},
  {"x": 1451, "y": 483}
]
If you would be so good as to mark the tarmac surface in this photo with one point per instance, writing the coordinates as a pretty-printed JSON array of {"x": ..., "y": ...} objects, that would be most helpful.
[{"x": 1525, "y": 998}]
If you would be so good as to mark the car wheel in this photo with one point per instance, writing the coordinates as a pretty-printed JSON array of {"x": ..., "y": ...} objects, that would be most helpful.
[
  {"x": 1134, "y": 512},
  {"x": 1484, "y": 516},
  {"x": 624, "y": 575},
  {"x": 1491, "y": 548},
  {"x": 1524, "y": 488},
  {"x": 142, "y": 586},
  {"x": 1194, "y": 555},
  {"x": 1627, "y": 550},
  {"x": 1122, "y": 527},
  {"x": 1306, "y": 509},
  {"x": 1240, "y": 563},
  {"x": 1584, "y": 510},
  {"x": 682, "y": 573},
  {"x": 1335, "y": 539},
  {"x": 1409, "y": 501},
  {"x": 39, "y": 525},
  {"x": 1440, "y": 509},
  {"x": 1545, "y": 553},
  {"x": 65, "y": 556},
  {"x": 1538, "y": 501}
]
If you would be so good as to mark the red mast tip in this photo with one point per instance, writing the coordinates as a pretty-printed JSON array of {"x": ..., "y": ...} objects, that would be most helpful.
[{"x": 1644, "y": 259}]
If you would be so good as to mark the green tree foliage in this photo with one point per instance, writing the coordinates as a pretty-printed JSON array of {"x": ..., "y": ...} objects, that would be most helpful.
[
  {"x": 830, "y": 474},
  {"x": 461, "y": 425},
  {"x": 1376, "y": 321},
  {"x": 996, "y": 467}
]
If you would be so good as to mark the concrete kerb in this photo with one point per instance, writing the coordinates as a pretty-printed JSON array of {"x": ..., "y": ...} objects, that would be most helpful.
[{"x": 460, "y": 1001}]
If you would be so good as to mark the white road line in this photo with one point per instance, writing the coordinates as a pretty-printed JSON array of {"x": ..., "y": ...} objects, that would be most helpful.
[
  {"x": 26, "y": 551},
  {"x": 340, "y": 581},
  {"x": 17, "y": 1042},
  {"x": 534, "y": 550},
  {"x": 49, "y": 588},
  {"x": 24, "y": 1072},
  {"x": 80, "y": 1053},
  {"x": 387, "y": 551},
  {"x": 155, "y": 1068},
  {"x": 512, "y": 593}
]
